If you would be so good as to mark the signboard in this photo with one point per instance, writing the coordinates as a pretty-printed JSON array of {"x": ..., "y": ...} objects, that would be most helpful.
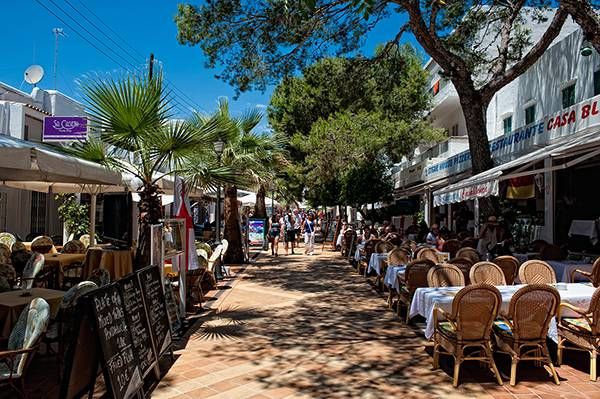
[
  {"x": 137, "y": 319},
  {"x": 154, "y": 299},
  {"x": 119, "y": 361},
  {"x": 64, "y": 128},
  {"x": 577, "y": 118},
  {"x": 257, "y": 229},
  {"x": 485, "y": 189}
]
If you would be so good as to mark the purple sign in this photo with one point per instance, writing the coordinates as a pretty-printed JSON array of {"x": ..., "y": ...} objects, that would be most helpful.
[{"x": 62, "y": 128}]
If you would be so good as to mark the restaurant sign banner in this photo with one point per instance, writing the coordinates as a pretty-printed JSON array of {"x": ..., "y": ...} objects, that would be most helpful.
[
  {"x": 485, "y": 189},
  {"x": 572, "y": 120},
  {"x": 64, "y": 128}
]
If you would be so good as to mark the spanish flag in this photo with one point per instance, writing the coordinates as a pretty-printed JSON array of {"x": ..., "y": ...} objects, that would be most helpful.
[{"x": 521, "y": 188}]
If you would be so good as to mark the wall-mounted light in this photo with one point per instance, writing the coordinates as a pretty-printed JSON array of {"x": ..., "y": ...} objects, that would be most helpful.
[{"x": 586, "y": 48}]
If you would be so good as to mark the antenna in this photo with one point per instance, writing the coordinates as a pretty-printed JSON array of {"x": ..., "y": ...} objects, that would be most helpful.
[
  {"x": 57, "y": 32},
  {"x": 34, "y": 74}
]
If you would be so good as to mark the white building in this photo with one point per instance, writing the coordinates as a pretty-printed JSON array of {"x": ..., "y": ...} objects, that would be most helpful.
[
  {"x": 24, "y": 212},
  {"x": 521, "y": 123}
]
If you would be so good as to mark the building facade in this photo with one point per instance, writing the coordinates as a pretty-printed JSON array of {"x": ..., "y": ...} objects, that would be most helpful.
[
  {"x": 22, "y": 212},
  {"x": 552, "y": 102}
]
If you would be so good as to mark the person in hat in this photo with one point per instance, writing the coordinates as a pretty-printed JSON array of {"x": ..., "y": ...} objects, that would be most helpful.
[{"x": 491, "y": 234}]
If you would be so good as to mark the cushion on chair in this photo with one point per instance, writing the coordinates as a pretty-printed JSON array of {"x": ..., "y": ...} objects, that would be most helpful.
[
  {"x": 447, "y": 329},
  {"x": 500, "y": 327},
  {"x": 577, "y": 324}
]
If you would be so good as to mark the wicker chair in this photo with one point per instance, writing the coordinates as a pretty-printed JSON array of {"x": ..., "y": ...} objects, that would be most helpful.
[
  {"x": 383, "y": 247},
  {"x": 85, "y": 240},
  {"x": 415, "y": 277},
  {"x": 32, "y": 269},
  {"x": 468, "y": 252},
  {"x": 445, "y": 275},
  {"x": 427, "y": 253},
  {"x": 396, "y": 257},
  {"x": 42, "y": 244},
  {"x": 464, "y": 264},
  {"x": 593, "y": 276},
  {"x": 410, "y": 244},
  {"x": 23, "y": 344},
  {"x": 74, "y": 247},
  {"x": 522, "y": 332},
  {"x": 536, "y": 272},
  {"x": 552, "y": 252},
  {"x": 75, "y": 273},
  {"x": 8, "y": 272},
  {"x": 486, "y": 273},
  {"x": 5, "y": 254},
  {"x": 509, "y": 266},
  {"x": 583, "y": 331},
  {"x": 469, "y": 326},
  {"x": 367, "y": 251},
  {"x": 7, "y": 239},
  {"x": 451, "y": 246}
]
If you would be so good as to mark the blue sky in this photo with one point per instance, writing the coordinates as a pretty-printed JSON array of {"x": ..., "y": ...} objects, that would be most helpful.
[{"x": 146, "y": 25}]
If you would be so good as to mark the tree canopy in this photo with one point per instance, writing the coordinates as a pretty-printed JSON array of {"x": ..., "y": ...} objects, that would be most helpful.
[{"x": 348, "y": 116}]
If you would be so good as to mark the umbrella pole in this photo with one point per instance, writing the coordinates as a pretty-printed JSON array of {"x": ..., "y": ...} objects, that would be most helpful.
[{"x": 92, "y": 219}]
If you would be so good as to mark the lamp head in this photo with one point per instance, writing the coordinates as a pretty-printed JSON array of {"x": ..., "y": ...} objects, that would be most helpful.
[
  {"x": 586, "y": 48},
  {"x": 219, "y": 146}
]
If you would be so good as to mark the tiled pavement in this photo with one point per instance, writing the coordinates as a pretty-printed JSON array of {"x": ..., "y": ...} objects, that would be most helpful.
[{"x": 310, "y": 327}]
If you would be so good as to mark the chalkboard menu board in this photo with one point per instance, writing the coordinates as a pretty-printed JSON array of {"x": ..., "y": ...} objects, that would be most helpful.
[
  {"x": 156, "y": 307},
  {"x": 120, "y": 364},
  {"x": 137, "y": 319},
  {"x": 331, "y": 227},
  {"x": 172, "y": 308}
]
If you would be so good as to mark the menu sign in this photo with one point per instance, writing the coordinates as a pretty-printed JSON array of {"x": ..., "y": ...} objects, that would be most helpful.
[
  {"x": 120, "y": 363},
  {"x": 154, "y": 298},
  {"x": 137, "y": 318}
]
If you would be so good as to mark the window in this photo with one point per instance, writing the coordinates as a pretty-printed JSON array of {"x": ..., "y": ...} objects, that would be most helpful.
[
  {"x": 597, "y": 82},
  {"x": 454, "y": 131},
  {"x": 38, "y": 212},
  {"x": 507, "y": 124},
  {"x": 568, "y": 96},
  {"x": 530, "y": 114}
]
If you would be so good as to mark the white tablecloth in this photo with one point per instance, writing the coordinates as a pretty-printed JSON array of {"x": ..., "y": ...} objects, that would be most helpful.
[
  {"x": 524, "y": 257},
  {"x": 564, "y": 268},
  {"x": 391, "y": 275},
  {"x": 425, "y": 299},
  {"x": 585, "y": 228},
  {"x": 375, "y": 262},
  {"x": 359, "y": 247}
]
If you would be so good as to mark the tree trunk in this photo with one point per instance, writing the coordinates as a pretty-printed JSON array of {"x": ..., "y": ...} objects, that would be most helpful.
[
  {"x": 475, "y": 109},
  {"x": 583, "y": 13},
  {"x": 232, "y": 232},
  {"x": 150, "y": 212},
  {"x": 260, "y": 208}
]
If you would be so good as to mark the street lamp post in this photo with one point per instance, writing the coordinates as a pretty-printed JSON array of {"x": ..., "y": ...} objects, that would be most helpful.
[{"x": 219, "y": 146}]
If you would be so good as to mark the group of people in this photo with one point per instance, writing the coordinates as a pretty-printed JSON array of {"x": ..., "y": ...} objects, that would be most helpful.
[{"x": 289, "y": 226}]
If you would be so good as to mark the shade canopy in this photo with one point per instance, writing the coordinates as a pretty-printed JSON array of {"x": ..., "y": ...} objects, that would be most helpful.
[
  {"x": 26, "y": 161},
  {"x": 571, "y": 150}
]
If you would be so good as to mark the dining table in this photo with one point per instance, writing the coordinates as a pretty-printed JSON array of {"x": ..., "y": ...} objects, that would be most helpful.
[
  {"x": 53, "y": 250},
  {"x": 59, "y": 261},
  {"x": 392, "y": 274},
  {"x": 12, "y": 304},
  {"x": 565, "y": 268},
  {"x": 376, "y": 262},
  {"x": 118, "y": 262},
  {"x": 425, "y": 299}
]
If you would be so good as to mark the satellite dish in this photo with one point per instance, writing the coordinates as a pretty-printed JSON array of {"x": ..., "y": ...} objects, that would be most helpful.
[{"x": 34, "y": 74}]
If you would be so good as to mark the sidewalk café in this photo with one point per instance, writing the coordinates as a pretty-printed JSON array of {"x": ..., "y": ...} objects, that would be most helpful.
[
  {"x": 544, "y": 171},
  {"x": 80, "y": 309}
]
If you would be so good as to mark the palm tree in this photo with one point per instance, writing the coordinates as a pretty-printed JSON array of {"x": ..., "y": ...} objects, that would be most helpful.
[
  {"x": 132, "y": 132},
  {"x": 252, "y": 153}
]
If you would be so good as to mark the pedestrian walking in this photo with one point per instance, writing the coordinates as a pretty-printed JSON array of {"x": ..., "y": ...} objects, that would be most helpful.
[
  {"x": 297, "y": 227},
  {"x": 309, "y": 235},
  {"x": 289, "y": 233},
  {"x": 274, "y": 233}
]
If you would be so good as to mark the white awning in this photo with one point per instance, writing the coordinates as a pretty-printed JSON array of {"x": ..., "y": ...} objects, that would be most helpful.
[
  {"x": 22, "y": 160},
  {"x": 486, "y": 184}
]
